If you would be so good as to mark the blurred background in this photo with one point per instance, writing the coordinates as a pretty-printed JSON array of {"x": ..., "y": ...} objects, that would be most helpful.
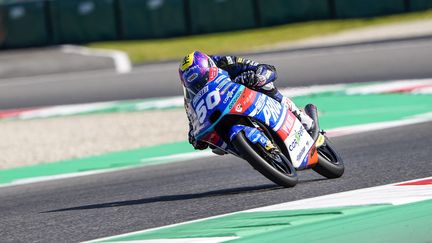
[
  {"x": 90, "y": 89},
  {"x": 30, "y": 23},
  {"x": 65, "y": 52},
  {"x": 57, "y": 53}
]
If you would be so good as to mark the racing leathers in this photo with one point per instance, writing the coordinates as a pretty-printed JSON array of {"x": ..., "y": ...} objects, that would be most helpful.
[{"x": 256, "y": 76}]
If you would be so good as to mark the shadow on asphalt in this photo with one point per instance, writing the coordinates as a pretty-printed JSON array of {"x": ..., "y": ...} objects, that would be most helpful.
[{"x": 179, "y": 197}]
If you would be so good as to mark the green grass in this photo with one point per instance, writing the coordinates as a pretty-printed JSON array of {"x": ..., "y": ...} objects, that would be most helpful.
[{"x": 241, "y": 41}]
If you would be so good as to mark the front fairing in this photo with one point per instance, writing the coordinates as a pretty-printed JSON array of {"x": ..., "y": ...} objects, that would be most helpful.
[
  {"x": 221, "y": 97},
  {"x": 212, "y": 102}
]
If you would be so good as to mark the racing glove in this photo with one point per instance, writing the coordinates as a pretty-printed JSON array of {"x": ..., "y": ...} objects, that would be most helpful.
[
  {"x": 248, "y": 78},
  {"x": 197, "y": 144}
]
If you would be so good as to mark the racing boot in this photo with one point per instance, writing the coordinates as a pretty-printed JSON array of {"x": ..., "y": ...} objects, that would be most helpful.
[
  {"x": 312, "y": 112},
  {"x": 270, "y": 90},
  {"x": 304, "y": 118},
  {"x": 217, "y": 150}
]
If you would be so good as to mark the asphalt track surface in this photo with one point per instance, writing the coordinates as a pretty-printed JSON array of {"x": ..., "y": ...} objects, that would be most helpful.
[
  {"x": 372, "y": 62},
  {"x": 95, "y": 206}
]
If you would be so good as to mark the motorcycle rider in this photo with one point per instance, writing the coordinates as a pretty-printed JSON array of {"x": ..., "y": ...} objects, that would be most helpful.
[{"x": 197, "y": 67}]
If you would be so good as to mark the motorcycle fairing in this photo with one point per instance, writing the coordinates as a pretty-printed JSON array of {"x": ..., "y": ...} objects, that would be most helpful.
[{"x": 222, "y": 97}]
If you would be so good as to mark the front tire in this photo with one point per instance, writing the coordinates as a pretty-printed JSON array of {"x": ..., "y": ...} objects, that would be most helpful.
[
  {"x": 274, "y": 166},
  {"x": 330, "y": 163}
]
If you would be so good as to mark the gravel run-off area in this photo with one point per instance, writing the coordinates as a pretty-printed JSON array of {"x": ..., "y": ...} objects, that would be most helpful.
[{"x": 28, "y": 142}]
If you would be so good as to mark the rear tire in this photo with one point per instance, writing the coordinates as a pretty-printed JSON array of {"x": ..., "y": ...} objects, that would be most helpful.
[
  {"x": 259, "y": 158},
  {"x": 330, "y": 163}
]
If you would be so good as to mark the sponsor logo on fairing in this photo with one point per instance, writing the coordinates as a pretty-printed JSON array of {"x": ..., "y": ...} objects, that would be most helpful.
[
  {"x": 300, "y": 155},
  {"x": 218, "y": 80},
  {"x": 288, "y": 123},
  {"x": 228, "y": 96},
  {"x": 199, "y": 95},
  {"x": 259, "y": 104},
  {"x": 226, "y": 87},
  {"x": 234, "y": 100},
  {"x": 297, "y": 138},
  {"x": 220, "y": 84},
  {"x": 210, "y": 101},
  {"x": 272, "y": 111},
  {"x": 239, "y": 108}
]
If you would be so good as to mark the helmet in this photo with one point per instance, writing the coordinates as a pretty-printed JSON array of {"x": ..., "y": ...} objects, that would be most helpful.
[{"x": 196, "y": 69}]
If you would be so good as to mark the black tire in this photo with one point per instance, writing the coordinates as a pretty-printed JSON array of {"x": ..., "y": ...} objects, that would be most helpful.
[
  {"x": 255, "y": 156},
  {"x": 330, "y": 163}
]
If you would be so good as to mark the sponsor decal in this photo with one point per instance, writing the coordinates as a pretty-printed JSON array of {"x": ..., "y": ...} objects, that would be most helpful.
[
  {"x": 239, "y": 108},
  {"x": 234, "y": 100},
  {"x": 300, "y": 155},
  {"x": 259, "y": 104},
  {"x": 213, "y": 73},
  {"x": 229, "y": 95},
  {"x": 289, "y": 122},
  {"x": 226, "y": 87},
  {"x": 219, "y": 79},
  {"x": 249, "y": 62},
  {"x": 255, "y": 135},
  {"x": 268, "y": 74},
  {"x": 250, "y": 133},
  {"x": 189, "y": 70},
  {"x": 259, "y": 70},
  {"x": 187, "y": 61},
  {"x": 192, "y": 77},
  {"x": 229, "y": 60},
  {"x": 297, "y": 137},
  {"x": 240, "y": 60},
  {"x": 320, "y": 141},
  {"x": 199, "y": 95},
  {"x": 246, "y": 100},
  {"x": 261, "y": 80},
  {"x": 272, "y": 111}
]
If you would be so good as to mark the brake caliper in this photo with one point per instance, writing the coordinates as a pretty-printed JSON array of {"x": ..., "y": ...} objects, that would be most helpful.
[
  {"x": 320, "y": 140},
  {"x": 269, "y": 146}
]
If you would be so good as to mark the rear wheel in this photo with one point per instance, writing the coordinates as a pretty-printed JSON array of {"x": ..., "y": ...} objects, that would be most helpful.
[
  {"x": 330, "y": 163},
  {"x": 271, "y": 163}
]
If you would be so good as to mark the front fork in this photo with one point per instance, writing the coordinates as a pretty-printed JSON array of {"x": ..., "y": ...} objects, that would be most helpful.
[{"x": 254, "y": 135}]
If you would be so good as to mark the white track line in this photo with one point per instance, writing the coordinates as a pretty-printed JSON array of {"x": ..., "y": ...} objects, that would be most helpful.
[
  {"x": 348, "y": 130},
  {"x": 393, "y": 194},
  {"x": 337, "y": 132},
  {"x": 121, "y": 59},
  {"x": 144, "y": 162}
]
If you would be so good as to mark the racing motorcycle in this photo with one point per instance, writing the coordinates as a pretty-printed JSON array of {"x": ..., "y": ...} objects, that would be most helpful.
[{"x": 261, "y": 130}]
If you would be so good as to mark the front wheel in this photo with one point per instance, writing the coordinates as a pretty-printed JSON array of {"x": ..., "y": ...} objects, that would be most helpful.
[
  {"x": 330, "y": 163},
  {"x": 272, "y": 164}
]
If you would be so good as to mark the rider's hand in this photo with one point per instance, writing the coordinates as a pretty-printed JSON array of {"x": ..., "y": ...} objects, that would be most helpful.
[
  {"x": 197, "y": 144},
  {"x": 248, "y": 79}
]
